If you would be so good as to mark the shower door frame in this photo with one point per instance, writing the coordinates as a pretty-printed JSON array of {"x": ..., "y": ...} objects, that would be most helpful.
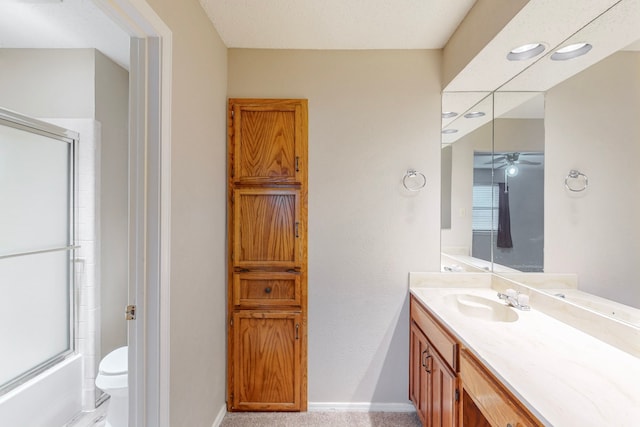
[{"x": 31, "y": 125}]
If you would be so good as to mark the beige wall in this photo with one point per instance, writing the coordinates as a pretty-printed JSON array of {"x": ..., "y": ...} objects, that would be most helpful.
[
  {"x": 198, "y": 206},
  {"x": 55, "y": 83},
  {"x": 592, "y": 125},
  {"x": 112, "y": 111},
  {"x": 372, "y": 115}
]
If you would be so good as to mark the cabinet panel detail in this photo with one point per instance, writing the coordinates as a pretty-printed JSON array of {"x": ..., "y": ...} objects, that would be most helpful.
[
  {"x": 443, "y": 342},
  {"x": 267, "y": 227},
  {"x": 259, "y": 289},
  {"x": 491, "y": 398},
  {"x": 270, "y": 142},
  {"x": 267, "y": 254},
  {"x": 267, "y": 361},
  {"x": 418, "y": 374}
]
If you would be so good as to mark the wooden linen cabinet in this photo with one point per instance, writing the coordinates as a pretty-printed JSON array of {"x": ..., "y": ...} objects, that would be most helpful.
[{"x": 267, "y": 245}]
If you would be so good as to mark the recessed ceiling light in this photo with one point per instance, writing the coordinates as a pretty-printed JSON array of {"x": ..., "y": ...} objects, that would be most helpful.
[
  {"x": 571, "y": 51},
  {"x": 449, "y": 114},
  {"x": 448, "y": 131},
  {"x": 526, "y": 51},
  {"x": 474, "y": 114}
]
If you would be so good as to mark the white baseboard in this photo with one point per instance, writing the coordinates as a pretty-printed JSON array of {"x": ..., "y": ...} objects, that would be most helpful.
[
  {"x": 360, "y": 407},
  {"x": 221, "y": 413}
]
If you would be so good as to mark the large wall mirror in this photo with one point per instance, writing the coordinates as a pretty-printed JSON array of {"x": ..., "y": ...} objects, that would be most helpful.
[{"x": 563, "y": 141}]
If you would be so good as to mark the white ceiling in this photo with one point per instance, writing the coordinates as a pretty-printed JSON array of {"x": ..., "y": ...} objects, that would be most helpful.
[
  {"x": 54, "y": 24},
  {"x": 281, "y": 24},
  {"x": 336, "y": 24},
  {"x": 339, "y": 24}
]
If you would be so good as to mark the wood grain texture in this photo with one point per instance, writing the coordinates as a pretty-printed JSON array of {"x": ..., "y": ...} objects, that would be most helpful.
[
  {"x": 432, "y": 382},
  {"x": 266, "y": 289},
  {"x": 267, "y": 203},
  {"x": 269, "y": 141},
  {"x": 471, "y": 415},
  {"x": 443, "y": 385},
  {"x": 267, "y": 372},
  {"x": 418, "y": 376},
  {"x": 267, "y": 227},
  {"x": 493, "y": 400},
  {"x": 268, "y": 145},
  {"x": 443, "y": 342}
]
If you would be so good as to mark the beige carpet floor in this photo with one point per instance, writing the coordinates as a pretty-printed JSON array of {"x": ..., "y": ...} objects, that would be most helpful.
[{"x": 320, "y": 419}]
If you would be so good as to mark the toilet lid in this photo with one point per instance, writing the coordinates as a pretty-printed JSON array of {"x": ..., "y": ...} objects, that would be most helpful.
[{"x": 115, "y": 363}]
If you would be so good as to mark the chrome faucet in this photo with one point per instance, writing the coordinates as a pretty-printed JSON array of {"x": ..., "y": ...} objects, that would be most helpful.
[{"x": 515, "y": 299}]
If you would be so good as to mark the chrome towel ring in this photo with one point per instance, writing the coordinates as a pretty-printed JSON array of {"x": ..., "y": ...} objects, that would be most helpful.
[
  {"x": 414, "y": 180},
  {"x": 576, "y": 175}
]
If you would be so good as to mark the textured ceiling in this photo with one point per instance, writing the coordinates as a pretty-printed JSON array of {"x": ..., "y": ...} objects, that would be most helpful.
[{"x": 336, "y": 24}]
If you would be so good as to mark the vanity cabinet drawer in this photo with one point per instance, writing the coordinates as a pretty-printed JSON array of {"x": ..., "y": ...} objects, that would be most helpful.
[
  {"x": 441, "y": 340},
  {"x": 494, "y": 402},
  {"x": 264, "y": 289}
]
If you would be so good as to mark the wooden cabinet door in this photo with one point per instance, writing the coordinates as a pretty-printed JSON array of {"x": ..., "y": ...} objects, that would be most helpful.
[
  {"x": 267, "y": 228},
  {"x": 443, "y": 386},
  {"x": 266, "y": 361},
  {"x": 266, "y": 289},
  {"x": 267, "y": 247},
  {"x": 418, "y": 375},
  {"x": 269, "y": 141}
]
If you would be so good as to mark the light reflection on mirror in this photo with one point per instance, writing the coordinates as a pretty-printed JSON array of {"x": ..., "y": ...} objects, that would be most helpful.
[
  {"x": 473, "y": 134},
  {"x": 591, "y": 125}
]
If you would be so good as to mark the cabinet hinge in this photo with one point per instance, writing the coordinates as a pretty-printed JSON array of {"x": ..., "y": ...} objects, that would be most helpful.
[
  {"x": 297, "y": 164},
  {"x": 457, "y": 395},
  {"x": 130, "y": 312},
  {"x": 233, "y": 114}
]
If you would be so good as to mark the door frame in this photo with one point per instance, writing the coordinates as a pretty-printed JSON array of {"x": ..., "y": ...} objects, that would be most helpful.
[{"x": 149, "y": 208}]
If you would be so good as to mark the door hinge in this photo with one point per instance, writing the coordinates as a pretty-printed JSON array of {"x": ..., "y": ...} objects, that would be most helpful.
[
  {"x": 130, "y": 312},
  {"x": 457, "y": 395}
]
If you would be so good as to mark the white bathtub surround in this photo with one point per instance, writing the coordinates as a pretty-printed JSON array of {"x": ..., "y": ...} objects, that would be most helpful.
[
  {"x": 59, "y": 391},
  {"x": 94, "y": 418},
  {"x": 562, "y": 374}
]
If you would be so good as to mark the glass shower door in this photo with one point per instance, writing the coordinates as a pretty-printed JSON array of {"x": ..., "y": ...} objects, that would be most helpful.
[{"x": 37, "y": 163}]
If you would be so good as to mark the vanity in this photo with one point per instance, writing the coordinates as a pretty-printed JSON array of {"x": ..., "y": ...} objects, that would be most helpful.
[{"x": 475, "y": 361}]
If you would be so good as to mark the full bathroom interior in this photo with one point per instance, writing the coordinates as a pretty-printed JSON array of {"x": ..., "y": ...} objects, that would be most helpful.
[
  {"x": 66, "y": 245},
  {"x": 556, "y": 147}
]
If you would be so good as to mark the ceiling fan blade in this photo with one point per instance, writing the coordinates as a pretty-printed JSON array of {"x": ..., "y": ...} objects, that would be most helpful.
[
  {"x": 499, "y": 158},
  {"x": 527, "y": 162}
]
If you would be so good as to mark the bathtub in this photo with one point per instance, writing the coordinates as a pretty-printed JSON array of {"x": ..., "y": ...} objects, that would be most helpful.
[
  {"x": 51, "y": 399},
  {"x": 621, "y": 312}
]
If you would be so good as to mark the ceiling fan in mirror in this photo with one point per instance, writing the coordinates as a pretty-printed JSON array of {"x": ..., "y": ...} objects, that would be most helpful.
[{"x": 510, "y": 162}]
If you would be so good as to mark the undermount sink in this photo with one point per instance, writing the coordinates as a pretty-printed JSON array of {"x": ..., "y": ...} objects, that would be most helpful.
[{"x": 481, "y": 308}]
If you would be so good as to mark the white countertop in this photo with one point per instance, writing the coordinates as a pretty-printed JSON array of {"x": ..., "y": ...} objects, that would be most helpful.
[{"x": 563, "y": 375}]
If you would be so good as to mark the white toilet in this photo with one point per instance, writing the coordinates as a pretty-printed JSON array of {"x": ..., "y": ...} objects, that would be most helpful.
[{"x": 113, "y": 379}]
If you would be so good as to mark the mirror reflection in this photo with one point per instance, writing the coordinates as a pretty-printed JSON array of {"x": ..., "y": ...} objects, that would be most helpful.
[{"x": 542, "y": 146}]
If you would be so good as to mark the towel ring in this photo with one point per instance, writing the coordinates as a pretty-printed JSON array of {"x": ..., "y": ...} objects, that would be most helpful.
[
  {"x": 410, "y": 175},
  {"x": 575, "y": 174}
]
